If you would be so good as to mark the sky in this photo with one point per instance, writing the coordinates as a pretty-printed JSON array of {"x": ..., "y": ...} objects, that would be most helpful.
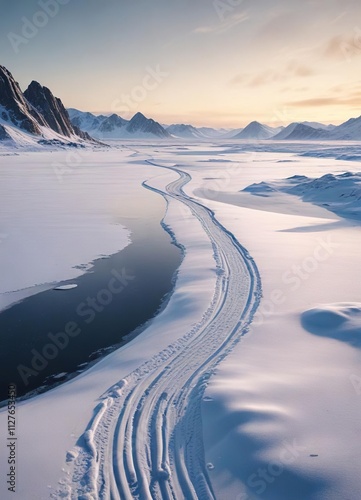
[{"x": 216, "y": 63}]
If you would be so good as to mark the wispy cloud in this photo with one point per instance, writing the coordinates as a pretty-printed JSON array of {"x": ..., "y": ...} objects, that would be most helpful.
[
  {"x": 220, "y": 27},
  {"x": 282, "y": 23},
  {"x": 353, "y": 100},
  {"x": 291, "y": 70},
  {"x": 344, "y": 46}
]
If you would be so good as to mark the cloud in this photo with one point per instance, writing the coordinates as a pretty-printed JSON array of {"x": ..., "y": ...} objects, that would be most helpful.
[
  {"x": 229, "y": 23},
  {"x": 344, "y": 47},
  {"x": 282, "y": 26},
  {"x": 353, "y": 100},
  {"x": 303, "y": 71},
  {"x": 292, "y": 70}
]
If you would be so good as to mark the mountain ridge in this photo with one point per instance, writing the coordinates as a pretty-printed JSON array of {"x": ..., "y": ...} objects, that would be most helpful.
[
  {"x": 115, "y": 127},
  {"x": 35, "y": 117}
]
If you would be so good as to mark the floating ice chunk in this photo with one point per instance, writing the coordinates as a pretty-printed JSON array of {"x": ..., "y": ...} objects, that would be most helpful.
[{"x": 66, "y": 287}]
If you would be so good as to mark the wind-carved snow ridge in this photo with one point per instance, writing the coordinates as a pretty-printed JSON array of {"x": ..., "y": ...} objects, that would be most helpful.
[{"x": 145, "y": 440}]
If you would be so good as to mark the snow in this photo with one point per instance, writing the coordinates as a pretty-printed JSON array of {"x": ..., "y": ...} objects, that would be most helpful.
[
  {"x": 257, "y": 131},
  {"x": 284, "y": 400},
  {"x": 22, "y": 140},
  {"x": 57, "y": 215},
  {"x": 44, "y": 447},
  {"x": 66, "y": 287},
  {"x": 340, "y": 193},
  {"x": 201, "y": 133},
  {"x": 338, "y": 321},
  {"x": 282, "y": 385}
]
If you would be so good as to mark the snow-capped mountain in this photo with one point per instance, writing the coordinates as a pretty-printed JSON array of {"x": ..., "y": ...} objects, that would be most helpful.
[
  {"x": 85, "y": 121},
  {"x": 319, "y": 125},
  {"x": 283, "y": 135},
  {"x": 257, "y": 131},
  {"x": 185, "y": 131},
  {"x": 35, "y": 116},
  {"x": 214, "y": 133},
  {"x": 348, "y": 131},
  {"x": 50, "y": 108},
  {"x": 15, "y": 109},
  {"x": 139, "y": 124},
  {"x": 111, "y": 123},
  {"x": 116, "y": 127},
  {"x": 302, "y": 132}
]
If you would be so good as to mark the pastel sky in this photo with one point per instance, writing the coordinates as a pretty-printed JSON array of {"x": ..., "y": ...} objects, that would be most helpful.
[{"x": 206, "y": 62}]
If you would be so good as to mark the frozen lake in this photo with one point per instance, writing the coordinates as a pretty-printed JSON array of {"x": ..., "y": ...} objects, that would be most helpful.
[{"x": 114, "y": 295}]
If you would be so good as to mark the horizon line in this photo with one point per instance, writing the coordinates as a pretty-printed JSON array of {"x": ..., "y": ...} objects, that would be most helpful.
[{"x": 272, "y": 124}]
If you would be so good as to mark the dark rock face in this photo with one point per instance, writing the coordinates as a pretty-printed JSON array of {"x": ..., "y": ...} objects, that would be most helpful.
[
  {"x": 139, "y": 123},
  {"x": 84, "y": 135},
  {"x": 17, "y": 110},
  {"x": 50, "y": 107},
  {"x": 35, "y": 108},
  {"x": 3, "y": 134}
]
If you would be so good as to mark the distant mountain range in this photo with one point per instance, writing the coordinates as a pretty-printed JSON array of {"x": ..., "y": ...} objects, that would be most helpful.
[
  {"x": 191, "y": 132},
  {"x": 37, "y": 117},
  {"x": 114, "y": 127}
]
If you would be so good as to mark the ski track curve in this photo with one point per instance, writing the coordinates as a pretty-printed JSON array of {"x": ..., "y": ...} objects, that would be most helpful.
[{"x": 145, "y": 439}]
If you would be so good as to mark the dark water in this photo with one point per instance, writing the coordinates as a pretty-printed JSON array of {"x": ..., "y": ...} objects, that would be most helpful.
[{"x": 61, "y": 332}]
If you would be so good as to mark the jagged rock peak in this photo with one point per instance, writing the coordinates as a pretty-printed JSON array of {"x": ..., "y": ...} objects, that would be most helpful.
[{"x": 50, "y": 107}]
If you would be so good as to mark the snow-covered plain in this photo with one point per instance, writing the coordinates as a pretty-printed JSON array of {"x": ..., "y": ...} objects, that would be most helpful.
[
  {"x": 55, "y": 219},
  {"x": 183, "y": 410}
]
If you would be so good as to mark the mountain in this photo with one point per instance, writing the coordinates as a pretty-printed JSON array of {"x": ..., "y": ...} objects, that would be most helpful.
[
  {"x": 283, "y": 135},
  {"x": 15, "y": 110},
  {"x": 140, "y": 124},
  {"x": 185, "y": 131},
  {"x": 115, "y": 127},
  {"x": 111, "y": 123},
  {"x": 348, "y": 131},
  {"x": 215, "y": 133},
  {"x": 85, "y": 121},
  {"x": 257, "y": 131},
  {"x": 231, "y": 134},
  {"x": 51, "y": 108},
  {"x": 190, "y": 132},
  {"x": 319, "y": 125},
  {"x": 302, "y": 132},
  {"x": 34, "y": 117}
]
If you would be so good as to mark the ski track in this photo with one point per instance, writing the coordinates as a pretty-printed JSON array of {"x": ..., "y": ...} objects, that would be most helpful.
[{"x": 145, "y": 440}]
